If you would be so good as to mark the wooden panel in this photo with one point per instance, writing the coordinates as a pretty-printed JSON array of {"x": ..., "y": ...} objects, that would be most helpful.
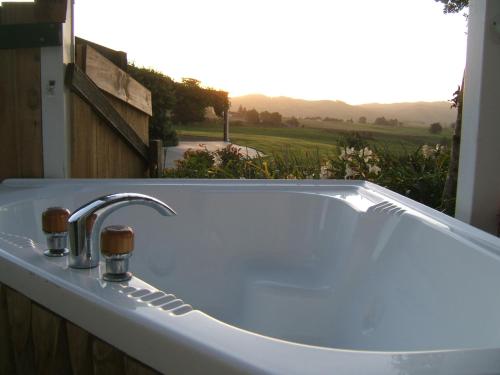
[
  {"x": 83, "y": 139},
  {"x": 49, "y": 342},
  {"x": 156, "y": 161},
  {"x": 19, "y": 316},
  {"x": 80, "y": 350},
  {"x": 20, "y": 114},
  {"x": 119, "y": 58},
  {"x": 16, "y": 13},
  {"x": 107, "y": 359},
  {"x": 133, "y": 367},
  {"x": 96, "y": 150},
  {"x": 7, "y": 365},
  {"x": 60, "y": 347},
  {"x": 81, "y": 84},
  {"x": 42, "y": 11},
  {"x": 30, "y": 35},
  {"x": 139, "y": 121},
  {"x": 115, "y": 81}
]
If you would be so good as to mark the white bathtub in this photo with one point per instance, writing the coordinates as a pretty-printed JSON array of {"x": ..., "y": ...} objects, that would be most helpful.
[{"x": 306, "y": 277}]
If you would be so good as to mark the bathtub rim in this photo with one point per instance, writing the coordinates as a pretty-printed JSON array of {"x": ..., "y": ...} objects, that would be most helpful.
[{"x": 21, "y": 274}]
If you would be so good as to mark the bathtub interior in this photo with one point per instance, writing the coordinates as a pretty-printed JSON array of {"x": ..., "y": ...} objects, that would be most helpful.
[{"x": 307, "y": 267}]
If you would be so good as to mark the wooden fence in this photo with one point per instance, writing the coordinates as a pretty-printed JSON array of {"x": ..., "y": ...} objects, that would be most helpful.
[
  {"x": 110, "y": 119},
  {"x": 20, "y": 113},
  {"x": 109, "y": 110},
  {"x": 34, "y": 340}
]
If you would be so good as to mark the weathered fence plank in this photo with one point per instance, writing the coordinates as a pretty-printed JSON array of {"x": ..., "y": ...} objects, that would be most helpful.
[
  {"x": 49, "y": 342},
  {"x": 110, "y": 78},
  {"x": 19, "y": 314},
  {"x": 80, "y": 350},
  {"x": 7, "y": 365},
  {"x": 133, "y": 367},
  {"x": 88, "y": 91},
  {"x": 20, "y": 114},
  {"x": 107, "y": 359},
  {"x": 156, "y": 158}
]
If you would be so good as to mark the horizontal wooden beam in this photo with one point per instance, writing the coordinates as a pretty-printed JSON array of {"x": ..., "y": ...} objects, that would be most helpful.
[
  {"x": 30, "y": 35},
  {"x": 84, "y": 87},
  {"x": 40, "y": 11},
  {"x": 110, "y": 78},
  {"x": 119, "y": 58}
]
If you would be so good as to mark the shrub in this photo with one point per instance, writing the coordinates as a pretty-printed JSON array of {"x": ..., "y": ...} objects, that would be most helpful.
[
  {"x": 435, "y": 128},
  {"x": 419, "y": 174}
]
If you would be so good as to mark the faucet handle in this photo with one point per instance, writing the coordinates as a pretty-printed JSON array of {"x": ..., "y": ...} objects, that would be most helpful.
[
  {"x": 117, "y": 244},
  {"x": 117, "y": 239},
  {"x": 55, "y": 227},
  {"x": 55, "y": 220}
]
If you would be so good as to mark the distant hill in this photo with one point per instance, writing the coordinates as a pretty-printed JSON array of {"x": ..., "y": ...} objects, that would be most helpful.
[{"x": 420, "y": 112}]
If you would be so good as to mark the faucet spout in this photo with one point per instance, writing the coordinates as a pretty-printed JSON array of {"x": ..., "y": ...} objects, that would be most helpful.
[{"x": 85, "y": 223}]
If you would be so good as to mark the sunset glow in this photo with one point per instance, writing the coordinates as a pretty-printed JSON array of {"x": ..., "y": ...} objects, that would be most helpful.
[{"x": 355, "y": 51}]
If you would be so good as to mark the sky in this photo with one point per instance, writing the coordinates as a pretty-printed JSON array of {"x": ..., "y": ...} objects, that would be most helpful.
[{"x": 357, "y": 51}]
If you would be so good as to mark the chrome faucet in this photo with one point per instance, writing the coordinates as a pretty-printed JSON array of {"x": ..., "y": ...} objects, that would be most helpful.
[{"x": 85, "y": 223}]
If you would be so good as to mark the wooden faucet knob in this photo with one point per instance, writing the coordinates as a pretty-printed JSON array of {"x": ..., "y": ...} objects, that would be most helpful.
[
  {"x": 55, "y": 220},
  {"x": 117, "y": 239}
]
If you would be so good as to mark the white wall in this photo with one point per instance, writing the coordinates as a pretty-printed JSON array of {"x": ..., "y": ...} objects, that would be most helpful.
[
  {"x": 55, "y": 102},
  {"x": 478, "y": 195}
]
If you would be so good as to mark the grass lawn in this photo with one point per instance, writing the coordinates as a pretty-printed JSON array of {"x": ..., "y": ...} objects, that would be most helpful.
[{"x": 314, "y": 137}]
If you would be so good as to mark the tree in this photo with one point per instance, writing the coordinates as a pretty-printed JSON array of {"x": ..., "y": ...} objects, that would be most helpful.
[
  {"x": 273, "y": 118},
  {"x": 191, "y": 102},
  {"x": 450, "y": 186},
  {"x": 453, "y": 6},
  {"x": 292, "y": 122},
  {"x": 163, "y": 98},
  {"x": 362, "y": 120},
  {"x": 435, "y": 128},
  {"x": 252, "y": 116}
]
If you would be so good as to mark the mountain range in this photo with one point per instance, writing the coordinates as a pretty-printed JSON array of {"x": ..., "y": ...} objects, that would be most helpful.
[{"x": 419, "y": 112}]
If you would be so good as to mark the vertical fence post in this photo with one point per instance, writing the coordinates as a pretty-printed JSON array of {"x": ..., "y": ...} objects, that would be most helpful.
[
  {"x": 226, "y": 125},
  {"x": 156, "y": 158}
]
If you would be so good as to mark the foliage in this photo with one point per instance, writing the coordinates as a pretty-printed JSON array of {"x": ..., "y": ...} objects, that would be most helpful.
[
  {"x": 177, "y": 102},
  {"x": 435, "y": 128},
  {"x": 252, "y": 116},
  {"x": 273, "y": 118},
  {"x": 331, "y": 119},
  {"x": 383, "y": 121},
  {"x": 353, "y": 139},
  {"x": 292, "y": 122},
  {"x": 419, "y": 174},
  {"x": 453, "y": 6},
  {"x": 196, "y": 164},
  {"x": 191, "y": 101},
  {"x": 362, "y": 120},
  {"x": 163, "y": 98}
]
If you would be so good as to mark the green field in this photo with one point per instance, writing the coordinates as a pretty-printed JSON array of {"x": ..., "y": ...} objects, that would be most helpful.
[{"x": 314, "y": 136}]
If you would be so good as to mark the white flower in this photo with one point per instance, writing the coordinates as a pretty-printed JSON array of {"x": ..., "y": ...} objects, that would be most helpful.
[
  {"x": 346, "y": 153},
  {"x": 217, "y": 160},
  {"x": 349, "y": 172},
  {"x": 440, "y": 148},
  {"x": 374, "y": 169},
  {"x": 365, "y": 152},
  {"x": 427, "y": 151},
  {"x": 325, "y": 172},
  {"x": 350, "y": 151}
]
